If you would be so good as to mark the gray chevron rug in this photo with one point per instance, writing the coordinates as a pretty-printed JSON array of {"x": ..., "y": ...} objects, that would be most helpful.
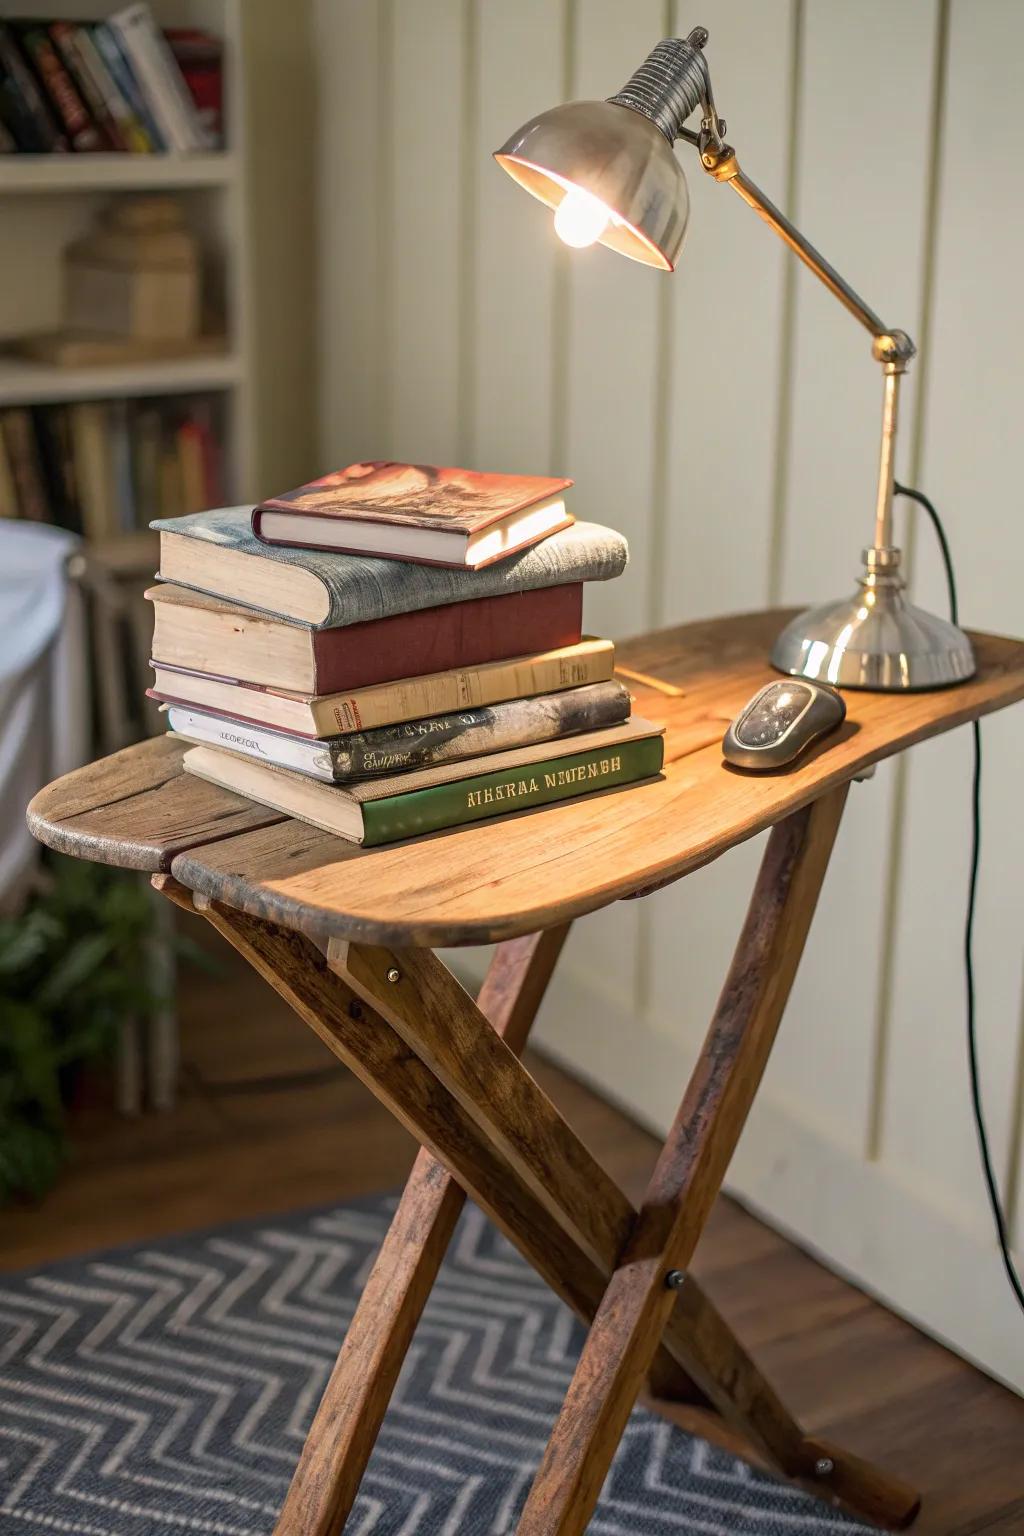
[{"x": 168, "y": 1387}]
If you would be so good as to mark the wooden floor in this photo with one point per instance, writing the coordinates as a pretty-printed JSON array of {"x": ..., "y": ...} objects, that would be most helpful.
[{"x": 853, "y": 1371}]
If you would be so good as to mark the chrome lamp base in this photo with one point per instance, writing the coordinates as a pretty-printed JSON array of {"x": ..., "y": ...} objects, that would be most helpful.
[{"x": 875, "y": 638}]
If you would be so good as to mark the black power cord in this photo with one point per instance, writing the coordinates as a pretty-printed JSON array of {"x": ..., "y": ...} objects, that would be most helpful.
[{"x": 991, "y": 1184}]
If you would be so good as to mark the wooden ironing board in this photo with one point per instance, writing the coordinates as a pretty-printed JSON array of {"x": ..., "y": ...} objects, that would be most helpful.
[{"x": 347, "y": 935}]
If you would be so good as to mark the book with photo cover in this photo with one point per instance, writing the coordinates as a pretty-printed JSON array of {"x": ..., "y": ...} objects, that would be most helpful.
[
  {"x": 414, "y": 743},
  {"x": 420, "y": 512},
  {"x": 385, "y": 810}
]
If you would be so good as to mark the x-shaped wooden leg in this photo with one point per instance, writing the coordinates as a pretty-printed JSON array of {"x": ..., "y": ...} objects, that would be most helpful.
[
  {"x": 349, "y": 1417},
  {"x": 406, "y": 1027}
]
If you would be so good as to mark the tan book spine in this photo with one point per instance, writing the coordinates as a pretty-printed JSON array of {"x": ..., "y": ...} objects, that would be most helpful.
[
  {"x": 8, "y": 494},
  {"x": 90, "y": 437},
  {"x": 440, "y": 693}
]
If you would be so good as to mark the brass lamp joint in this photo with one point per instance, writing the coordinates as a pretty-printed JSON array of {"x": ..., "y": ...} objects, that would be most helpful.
[{"x": 894, "y": 349}]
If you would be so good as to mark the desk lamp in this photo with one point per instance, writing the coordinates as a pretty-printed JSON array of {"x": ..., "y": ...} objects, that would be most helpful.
[{"x": 609, "y": 171}]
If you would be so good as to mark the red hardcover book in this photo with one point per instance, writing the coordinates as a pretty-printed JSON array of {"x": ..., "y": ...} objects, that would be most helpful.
[
  {"x": 204, "y": 634},
  {"x": 419, "y": 512},
  {"x": 199, "y": 57}
]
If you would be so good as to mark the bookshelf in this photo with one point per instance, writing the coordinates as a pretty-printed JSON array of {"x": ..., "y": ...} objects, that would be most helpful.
[
  {"x": 114, "y": 173},
  {"x": 26, "y": 383},
  {"x": 48, "y": 200}
]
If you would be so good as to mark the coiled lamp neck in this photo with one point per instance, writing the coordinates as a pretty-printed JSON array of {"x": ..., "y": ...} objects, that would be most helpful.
[{"x": 670, "y": 84}]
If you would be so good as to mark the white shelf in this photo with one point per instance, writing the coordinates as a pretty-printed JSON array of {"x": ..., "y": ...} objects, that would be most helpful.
[
  {"x": 115, "y": 172},
  {"x": 28, "y": 383}
]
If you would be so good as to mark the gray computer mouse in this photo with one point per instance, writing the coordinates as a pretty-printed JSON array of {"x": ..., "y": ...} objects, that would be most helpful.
[{"x": 780, "y": 722}]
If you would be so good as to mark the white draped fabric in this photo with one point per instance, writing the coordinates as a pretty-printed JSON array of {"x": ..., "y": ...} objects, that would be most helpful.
[{"x": 44, "y": 683}]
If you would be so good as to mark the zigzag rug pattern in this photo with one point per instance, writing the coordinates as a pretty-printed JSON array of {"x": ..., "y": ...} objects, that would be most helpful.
[{"x": 167, "y": 1388}]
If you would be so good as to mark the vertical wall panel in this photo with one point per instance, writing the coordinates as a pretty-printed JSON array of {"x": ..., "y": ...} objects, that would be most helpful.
[
  {"x": 351, "y": 301},
  {"x": 426, "y": 106},
  {"x": 611, "y": 383},
  {"x": 861, "y": 197},
  {"x": 971, "y": 470},
  {"x": 520, "y": 73},
  {"x": 725, "y": 331},
  {"x": 613, "y": 320}
]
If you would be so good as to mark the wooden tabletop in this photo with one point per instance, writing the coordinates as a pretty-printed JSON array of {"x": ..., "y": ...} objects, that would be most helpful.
[{"x": 531, "y": 870}]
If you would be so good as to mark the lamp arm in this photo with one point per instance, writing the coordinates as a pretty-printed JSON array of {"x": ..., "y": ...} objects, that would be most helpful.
[{"x": 892, "y": 348}]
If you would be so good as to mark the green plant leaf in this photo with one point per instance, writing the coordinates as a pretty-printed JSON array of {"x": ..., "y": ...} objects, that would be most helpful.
[
  {"x": 74, "y": 968},
  {"x": 30, "y": 1159},
  {"x": 25, "y": 941},
  {"x": 29, "y": 1040}
]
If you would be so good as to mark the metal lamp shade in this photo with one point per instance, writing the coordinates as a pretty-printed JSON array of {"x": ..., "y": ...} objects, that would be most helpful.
[{"x": 619, "y": 157}]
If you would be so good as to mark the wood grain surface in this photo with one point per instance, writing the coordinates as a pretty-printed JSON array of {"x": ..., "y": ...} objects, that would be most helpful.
[
  {"x": 137, "y": 809},
  {"x": 535, "y": 869},
  {"x": 404, "y": 1025},
  {"x": 638, "y": 1302},
  {"x": 366, "y": 1043},
  {"x": 348, "y": 1420}
]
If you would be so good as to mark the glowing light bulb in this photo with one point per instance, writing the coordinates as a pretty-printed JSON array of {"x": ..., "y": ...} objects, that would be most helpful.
[{"x": 580, "y": 218}]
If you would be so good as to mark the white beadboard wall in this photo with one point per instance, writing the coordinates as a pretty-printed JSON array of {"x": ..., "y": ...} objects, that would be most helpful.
[{"x": 726, "y": 419}]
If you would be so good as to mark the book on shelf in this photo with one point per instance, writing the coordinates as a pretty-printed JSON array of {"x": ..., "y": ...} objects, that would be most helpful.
[
  {"x": 116, "y": 85},
  {"x": 128, "y": 85},
  {"x": 8, "y": 490},
  {"x": 65, "y": 103},
  {"x": 96, "y": 52},
  {"x": 98, "y": 467},
  {"x": 64, "y": 36},
  {"x": 156, "y": 70},
  {"x": 466, "y": 733},
  {"x": 408, "y": 698},
  {"x": 199, "y": 56},
  {"x": 416, "y": 512},
  {"x": 23, "y": 105},
  {"x": 53, "y": 437},
  {"x": 94, "y": 463},
  {"x": 385, "y": 810},
  {"x": 216, "y": 552},
  {"x": 26, "y": 468},
  {"x": 206, "y": 634}
]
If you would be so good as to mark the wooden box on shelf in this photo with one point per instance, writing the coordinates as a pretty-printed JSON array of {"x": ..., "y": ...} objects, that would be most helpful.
[{"x": 136, "y": 275}]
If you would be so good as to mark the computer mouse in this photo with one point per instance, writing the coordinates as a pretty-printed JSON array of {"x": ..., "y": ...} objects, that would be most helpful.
[{"x": 780, "y": 722}]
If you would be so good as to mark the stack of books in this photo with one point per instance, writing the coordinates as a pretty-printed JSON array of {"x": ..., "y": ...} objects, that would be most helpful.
[
  {"x": 121, "y": 84},
  {"x": 395, "y": 649}
]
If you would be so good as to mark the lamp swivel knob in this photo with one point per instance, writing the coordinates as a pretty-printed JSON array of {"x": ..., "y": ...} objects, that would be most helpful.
[{"x": 894, "y": 348}]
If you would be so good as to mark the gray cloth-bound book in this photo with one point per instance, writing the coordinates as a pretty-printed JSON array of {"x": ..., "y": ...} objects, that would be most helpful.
[{"x": 217, "y": 552}]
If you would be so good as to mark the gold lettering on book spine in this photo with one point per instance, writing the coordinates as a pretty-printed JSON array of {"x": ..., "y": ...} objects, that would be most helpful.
[{"x": 561, "y": 777}]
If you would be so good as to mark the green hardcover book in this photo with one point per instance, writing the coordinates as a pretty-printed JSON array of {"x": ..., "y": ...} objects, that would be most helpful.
[{"x": 449, "y": 795}]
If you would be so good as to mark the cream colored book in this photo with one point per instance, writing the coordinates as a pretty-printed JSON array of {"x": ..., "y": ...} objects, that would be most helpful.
[
  {"x": 94, "y": 471},
  {"x": 408, "y": 698},
  {"x": 397, "y": 806}
]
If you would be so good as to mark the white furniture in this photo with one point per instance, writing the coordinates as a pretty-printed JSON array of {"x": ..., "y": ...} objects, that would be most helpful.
[
  {"x": 45, "y": 202},
  {"x": 48, "y": 200}
]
